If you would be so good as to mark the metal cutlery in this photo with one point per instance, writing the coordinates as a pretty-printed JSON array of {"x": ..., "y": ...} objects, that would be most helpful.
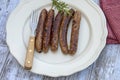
[{"x": 30, "y": 50}]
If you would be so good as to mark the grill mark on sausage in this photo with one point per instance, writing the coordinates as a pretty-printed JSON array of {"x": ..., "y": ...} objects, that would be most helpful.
[
  {"x": 47, "y": 30},
  {"x": 63, "y": 31},
  {"x": 55, "y": 31},
  {"x": 39, "y": 30},
  {"x": 75, "y": 33}
]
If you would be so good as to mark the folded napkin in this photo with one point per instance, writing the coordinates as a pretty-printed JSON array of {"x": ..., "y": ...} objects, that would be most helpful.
[{"x": 111, "y": 8}]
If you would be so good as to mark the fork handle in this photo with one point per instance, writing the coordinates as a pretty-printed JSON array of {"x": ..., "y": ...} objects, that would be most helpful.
[{"x": 30, "y": 53}]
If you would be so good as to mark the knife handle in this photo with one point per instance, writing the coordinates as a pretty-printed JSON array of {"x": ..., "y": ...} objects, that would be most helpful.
[{"x": 30, "y": 53}]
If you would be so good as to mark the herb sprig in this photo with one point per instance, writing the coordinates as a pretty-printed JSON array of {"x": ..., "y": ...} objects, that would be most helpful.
[{"x": 60, "y": 6}]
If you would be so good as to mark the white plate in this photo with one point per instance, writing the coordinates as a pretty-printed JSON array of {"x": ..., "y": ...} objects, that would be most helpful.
[{"x": 92, "y": 38}]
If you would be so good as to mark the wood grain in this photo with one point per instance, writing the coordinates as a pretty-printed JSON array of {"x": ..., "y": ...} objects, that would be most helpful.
[
  {"x": 107, "y": 67},
  {"x": 13, "y": 71},
  {"x": 30, "y": 53}
]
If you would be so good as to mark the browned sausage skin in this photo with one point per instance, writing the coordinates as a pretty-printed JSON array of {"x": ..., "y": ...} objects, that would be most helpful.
[
  {"x": 55, "y": 31},
  {"x": 39, "y": 30},
  {"x": 47, "y": 30},
  {"x": 63, "y": 31},
  {"x": 75, "y": 33}
]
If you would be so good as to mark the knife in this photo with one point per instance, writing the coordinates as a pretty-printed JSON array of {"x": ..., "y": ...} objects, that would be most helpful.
[{"x": 30, "y": 49}]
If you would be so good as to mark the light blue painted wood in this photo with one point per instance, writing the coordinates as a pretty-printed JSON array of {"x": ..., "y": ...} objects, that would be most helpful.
[{"x": 107, "y": 67}]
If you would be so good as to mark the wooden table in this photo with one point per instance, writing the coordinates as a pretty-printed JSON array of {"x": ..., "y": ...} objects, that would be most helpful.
[{"x": 105, "y": 68}]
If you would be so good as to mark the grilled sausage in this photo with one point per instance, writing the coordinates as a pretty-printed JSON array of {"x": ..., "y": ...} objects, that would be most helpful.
[
  {"x": 47, "y": 30},
  {"x": 63, "y": 32},
  {"x": 55, "y": 31},
  {"x": 39, "y": 30},
  {"x": 75, "y": 33}
]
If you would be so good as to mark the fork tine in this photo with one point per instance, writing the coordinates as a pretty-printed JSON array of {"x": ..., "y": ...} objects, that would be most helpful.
[
  {"x": 34, "y": 21},
  {"x": 31, "y": 17},
  {"x": 34, "y": 17}
]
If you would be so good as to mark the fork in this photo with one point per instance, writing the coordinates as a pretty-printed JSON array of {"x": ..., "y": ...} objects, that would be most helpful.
[{"x": 30, "y": 50}]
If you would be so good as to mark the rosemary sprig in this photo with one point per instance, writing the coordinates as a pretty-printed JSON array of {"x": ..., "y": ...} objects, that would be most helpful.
[{"x": 60, "y": 6}]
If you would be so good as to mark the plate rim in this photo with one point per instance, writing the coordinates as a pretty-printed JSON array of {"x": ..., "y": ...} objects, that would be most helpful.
[{"x": 103, "y": 42}]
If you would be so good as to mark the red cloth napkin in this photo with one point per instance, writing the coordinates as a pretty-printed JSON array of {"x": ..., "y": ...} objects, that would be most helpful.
[{"x": 111, "y": 8}]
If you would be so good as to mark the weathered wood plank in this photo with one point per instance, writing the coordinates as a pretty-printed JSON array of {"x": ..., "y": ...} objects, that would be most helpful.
[
  {"x": 3, "y": 56},
  {"x": 3, "y": 47},
  {"x": 105, "y": 68},
  {"x": 9, "y": 68},
  {"x": 13, "y": 71},
  {"x": 83, "y": 75}
]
